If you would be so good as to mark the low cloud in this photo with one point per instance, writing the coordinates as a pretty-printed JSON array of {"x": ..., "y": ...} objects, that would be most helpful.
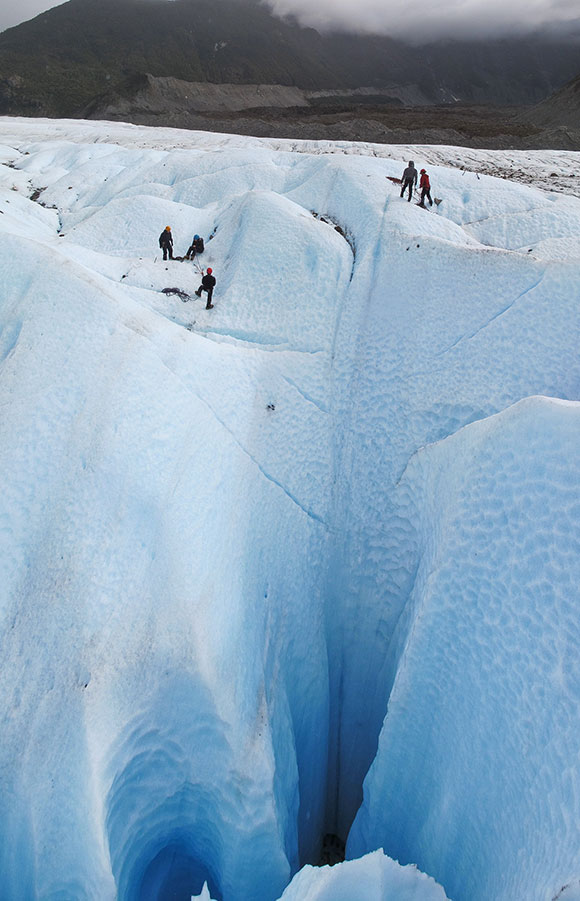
[
  {"x": 419, "y": 21},
  {"x": 411, "y": 20}
]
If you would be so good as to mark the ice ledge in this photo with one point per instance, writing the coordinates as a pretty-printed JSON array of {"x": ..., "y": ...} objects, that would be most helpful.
[{"x": 374, "y": 877}]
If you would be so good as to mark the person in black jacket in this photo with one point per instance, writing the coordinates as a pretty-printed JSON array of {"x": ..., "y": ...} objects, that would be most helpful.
[
  {"x": 207, "y": 284},
  {"x": 197, "y": 247},
  {"x": 409, "y": 179},
  {"x": 166, "y": 242}
]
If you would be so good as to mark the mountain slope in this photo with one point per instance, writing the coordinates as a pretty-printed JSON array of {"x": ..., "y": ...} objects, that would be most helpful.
[
  {"x": 57, "y": 63},
  {"x": 562, "y": 108}
]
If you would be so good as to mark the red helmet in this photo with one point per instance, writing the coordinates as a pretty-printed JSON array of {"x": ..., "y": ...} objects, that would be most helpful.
[
  {"x": 209, "y": 270},
  {"x": 423, "y": 172}
]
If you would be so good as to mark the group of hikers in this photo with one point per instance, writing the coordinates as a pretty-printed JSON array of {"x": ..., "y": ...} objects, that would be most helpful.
[
  {"x": 166, "y": 244},
  {"x": 196, "y": 248},
  {"x": 208, "y": 282},
  {"x": 409, "y": 181}
]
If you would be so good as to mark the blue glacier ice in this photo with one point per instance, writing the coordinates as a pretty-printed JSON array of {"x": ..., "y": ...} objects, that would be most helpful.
[
  {"x": 306, "y": 564},
  {"x": 487, "y": 668}
]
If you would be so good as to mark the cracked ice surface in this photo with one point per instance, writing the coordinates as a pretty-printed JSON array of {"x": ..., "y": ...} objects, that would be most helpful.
[{"x": 232, "y": 541}]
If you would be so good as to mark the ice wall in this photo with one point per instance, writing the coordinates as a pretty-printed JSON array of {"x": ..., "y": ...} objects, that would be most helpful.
[
  {"x": 476, "y": 778},
  {"x": 212, "y": 543},
  {"x": 162, "y": 559},
  {"x": 450, "y": 332}
]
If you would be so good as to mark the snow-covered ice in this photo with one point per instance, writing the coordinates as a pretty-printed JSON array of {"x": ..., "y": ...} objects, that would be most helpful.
[
  {"x": 374, "y": 877},
  {"x": 322, "y": 535}
]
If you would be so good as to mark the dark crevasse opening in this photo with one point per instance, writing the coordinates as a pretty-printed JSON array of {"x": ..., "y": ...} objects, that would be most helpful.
[
  {"x": 333, "y": 850},
  {"x": 174, "y": 874}
]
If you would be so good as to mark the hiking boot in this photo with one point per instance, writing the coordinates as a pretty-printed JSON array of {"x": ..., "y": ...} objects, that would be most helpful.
[
  {"x": 209, "y": 306},
  {"x": 198, "y": 293}
]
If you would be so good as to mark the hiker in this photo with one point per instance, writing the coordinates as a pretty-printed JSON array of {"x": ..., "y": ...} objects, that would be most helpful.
[
  {"x": 197, "y": 247},
  {"x": 425, "y": 186},
  {"x": 409, "y": 179},
  {"x": 207, "y": 285},
  {"x": 166, "y": 242}
]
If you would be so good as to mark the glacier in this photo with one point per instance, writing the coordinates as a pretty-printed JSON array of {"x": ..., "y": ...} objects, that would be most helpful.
[{"x": 304, "y": 564}]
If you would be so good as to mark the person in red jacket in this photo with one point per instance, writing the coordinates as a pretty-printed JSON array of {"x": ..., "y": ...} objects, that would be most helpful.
[
  {"x": 207, "y": 285},
  {"x": 425, "y": 186}
]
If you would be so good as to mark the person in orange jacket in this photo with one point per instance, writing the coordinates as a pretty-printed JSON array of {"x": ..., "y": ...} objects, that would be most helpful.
[
  {"x": 425, "y": 186},
  {"x": 166, "y": 242}
]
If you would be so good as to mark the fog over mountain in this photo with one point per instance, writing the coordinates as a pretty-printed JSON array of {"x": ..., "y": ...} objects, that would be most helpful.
[
  {"x": 414, "y": 20},
  {"x": 418, "y": 20}
]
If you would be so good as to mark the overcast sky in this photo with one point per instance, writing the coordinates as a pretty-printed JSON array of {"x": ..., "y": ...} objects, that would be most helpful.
[
  {"x": 411, "y": 19},
  {"x": 14, "y": 11}
]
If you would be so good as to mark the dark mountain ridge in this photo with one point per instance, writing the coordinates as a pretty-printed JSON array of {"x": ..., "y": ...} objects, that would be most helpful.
[
  {"x": 561, "y": 109},
  {"x": 59, "y": 62}
]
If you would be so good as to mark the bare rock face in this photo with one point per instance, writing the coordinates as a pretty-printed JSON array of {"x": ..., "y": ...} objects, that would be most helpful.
[{"x": 163, "y": 95}]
